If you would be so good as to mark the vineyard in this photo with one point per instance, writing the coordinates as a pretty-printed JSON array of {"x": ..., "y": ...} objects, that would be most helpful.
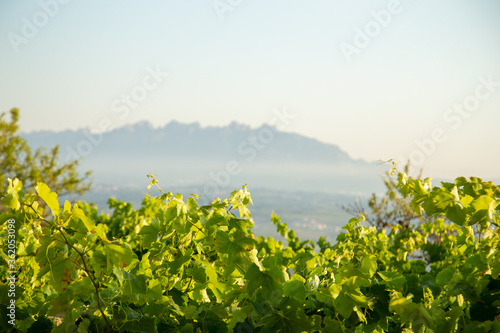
[{"x": 176, "y": 266}]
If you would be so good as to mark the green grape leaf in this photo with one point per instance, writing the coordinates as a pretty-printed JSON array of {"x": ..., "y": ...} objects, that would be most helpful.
[
  {"x": 261, "y": 280},
  {"x": 11, "y": 199},
  {"x": 483, "y": 202},
  {"x": 174, "y": 266},
  {"x": 89, "y": 224},
  {"x": 369, "y": 265},
  {"x": 295, "y": 287},
  {"x": 150, "y": 233},
  {"x": 394, "y": 280},
  {"x": 84, "y": 326},
  {"x": 290, "y": 318},
  {"x": 67, "y": 206},
  {"x": 456, "y": 214},
  {"x": 118, "y": 255},
  {"x": 238, "y": 317},
  {"x": 344, "y": 305},
  {"x": 332, "y": 325},
  {"x": 444, "y": 276},
  {"x": 399, "y": 303},
  {"x": 329, "y": 294},
  {"x": 443, "y": 200},
  {"x": 61, "y": 273},
  {"x": 233, "y": 243},
  {"x": 213, "y": 277},
  {"x": 357, "y": 296},
  {"x": 134, "y": 284},
  {"x": 198, "y": 274},
  {"x": 140, "y": 324},
  {"x": 155, "y": 291},
  {"x": 240, "y": 199},
  {"x": 466, "y": 200},
  {"x": 418, "y": 316},
  {"x": 49, "y": 197}
]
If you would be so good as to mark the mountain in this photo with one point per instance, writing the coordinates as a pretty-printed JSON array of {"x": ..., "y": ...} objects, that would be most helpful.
[
  {"x": 303, "y": 180},
  {"x": 190, "y": 140},
  {"x": 213, "y": 159}
]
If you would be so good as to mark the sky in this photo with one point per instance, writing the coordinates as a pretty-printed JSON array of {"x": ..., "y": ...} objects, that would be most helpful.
[{"x": 414, "y": 79}]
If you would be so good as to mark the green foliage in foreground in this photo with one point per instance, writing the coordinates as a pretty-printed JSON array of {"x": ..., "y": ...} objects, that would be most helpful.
[
  {"x": 175, "y": 266},
  {"x": 19, "y": 161}
]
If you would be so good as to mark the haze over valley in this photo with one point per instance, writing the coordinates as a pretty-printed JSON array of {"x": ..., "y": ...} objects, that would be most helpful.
[{"x": 303, "y": 180}]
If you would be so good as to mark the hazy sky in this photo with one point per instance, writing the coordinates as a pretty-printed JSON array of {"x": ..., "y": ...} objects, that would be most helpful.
[{"x": 380, "y": 79}]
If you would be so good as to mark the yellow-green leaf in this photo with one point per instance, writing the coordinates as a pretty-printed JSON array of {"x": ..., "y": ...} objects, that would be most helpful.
[
  {"x": 89, "y": 224},
  {"x": 11, "y": 199},
  {"x": 49, "y": 197}
]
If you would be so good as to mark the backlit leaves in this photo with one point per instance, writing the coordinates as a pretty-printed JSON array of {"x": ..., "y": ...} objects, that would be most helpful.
[{"x": 173, "y": 265}]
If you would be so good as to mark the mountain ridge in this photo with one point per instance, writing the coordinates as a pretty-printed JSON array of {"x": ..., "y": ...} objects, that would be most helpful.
[
  {"x": 192, "y": 131},
  {"x": 187, "y": 153}
]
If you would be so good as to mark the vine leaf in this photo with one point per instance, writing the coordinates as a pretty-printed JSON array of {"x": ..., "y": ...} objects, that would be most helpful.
[
  {"x": 394, "y": 280},
  {"x": 49, "y": 197},
  {"x": 89, "y": 224},
  {"x": 11, "y": 200},
  {"x": 150, "y": 233},
  {"x": 261, "y": 279},
  {"x": 118, "y": 255}
]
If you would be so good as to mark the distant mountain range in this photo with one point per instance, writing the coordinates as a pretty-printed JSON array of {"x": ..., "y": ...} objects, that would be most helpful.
[
  {"x": 303, "y": 180},
  {"x": 213, "y": 159}
]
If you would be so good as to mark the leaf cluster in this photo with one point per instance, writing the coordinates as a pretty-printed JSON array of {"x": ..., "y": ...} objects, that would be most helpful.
[
  {"x": 175, "y": 266},
  {"x": 17, "y": 160}
]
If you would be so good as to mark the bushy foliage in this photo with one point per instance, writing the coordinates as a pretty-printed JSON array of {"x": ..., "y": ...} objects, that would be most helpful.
[
  {"x": 175, "y": 266},
  {"x": 390, "y": 208},
  {"x": 17, "y": 160}
]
